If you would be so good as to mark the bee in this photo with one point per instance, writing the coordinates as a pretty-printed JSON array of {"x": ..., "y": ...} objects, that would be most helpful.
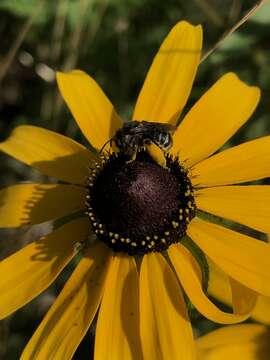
[{"x": 135, "y": 135}]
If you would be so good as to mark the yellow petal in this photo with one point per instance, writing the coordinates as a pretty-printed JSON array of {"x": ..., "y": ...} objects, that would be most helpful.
[
  {"x": 28, "y": 272},
  {"x": 189, "y": 275},
  {"x": 170, "y": 77},
  {"x": 117, "y": 334},
  {"x": 219, "y": 288},
  {"x": 67, "y": 321},
  {"x": 247, "y": 342},
  {"x": 90, "y": 107},
  {"x": 51, "y": 153},
  {"x": 218, "y": 114},
  {"x": 245, "y": 162},
  {"x": 219, "y": 284},
  {"x": 243, "y": 298},
  {"x": 157, "y": 154},
  {"x": 27, "y": 204},
  {"x": 261, "y": 311},
  {"x": 166, "y": 331},
  {"x": 247, "y": 205},
  {"x": 242, "y": 257}
]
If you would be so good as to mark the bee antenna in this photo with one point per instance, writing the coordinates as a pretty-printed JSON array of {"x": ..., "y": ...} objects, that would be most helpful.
[{"x": 109, "y": 141}]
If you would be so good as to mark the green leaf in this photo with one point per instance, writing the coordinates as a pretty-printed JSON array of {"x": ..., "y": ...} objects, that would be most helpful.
[{"x": 262, "y": 16}]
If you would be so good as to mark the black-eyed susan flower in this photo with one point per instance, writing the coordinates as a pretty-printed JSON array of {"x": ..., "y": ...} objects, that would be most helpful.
[
  {"x": 248, "y": 341},
  {"x": 140, "y": 211}
]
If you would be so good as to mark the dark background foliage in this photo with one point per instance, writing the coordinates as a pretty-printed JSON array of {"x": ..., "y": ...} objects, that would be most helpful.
[{"x": 114, "y": 41}]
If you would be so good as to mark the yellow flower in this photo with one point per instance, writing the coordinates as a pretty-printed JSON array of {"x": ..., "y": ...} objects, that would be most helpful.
[
  {"x": 249, "y": 342},
  {"x": 139, "y": 207}
]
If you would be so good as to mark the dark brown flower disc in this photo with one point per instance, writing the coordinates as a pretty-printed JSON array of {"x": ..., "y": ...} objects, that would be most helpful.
[{"x": 138, "y": 206}]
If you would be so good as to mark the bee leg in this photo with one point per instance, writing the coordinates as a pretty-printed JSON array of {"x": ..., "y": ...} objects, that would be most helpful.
[{"x": 133, "y": 155}]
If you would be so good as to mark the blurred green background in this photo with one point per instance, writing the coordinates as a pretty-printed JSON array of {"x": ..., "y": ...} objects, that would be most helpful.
[{"x": 114, "y": 41}]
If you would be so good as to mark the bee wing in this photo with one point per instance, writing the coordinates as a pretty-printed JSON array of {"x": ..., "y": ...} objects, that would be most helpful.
[
  {"x": 140, "y": 128},
  {"x": 169, "y": 128},
  {"x": 159, "y": 126}
]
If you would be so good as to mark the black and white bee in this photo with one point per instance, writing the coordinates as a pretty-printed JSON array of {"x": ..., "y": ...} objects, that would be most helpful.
[{"x": 135, "y": 135}]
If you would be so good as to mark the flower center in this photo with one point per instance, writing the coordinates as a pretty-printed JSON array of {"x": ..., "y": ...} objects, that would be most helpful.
[{"x": 138, "y": 206}]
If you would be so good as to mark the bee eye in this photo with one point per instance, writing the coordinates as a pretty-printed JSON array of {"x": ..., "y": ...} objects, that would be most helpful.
[{"x": 167, "y": 142}]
